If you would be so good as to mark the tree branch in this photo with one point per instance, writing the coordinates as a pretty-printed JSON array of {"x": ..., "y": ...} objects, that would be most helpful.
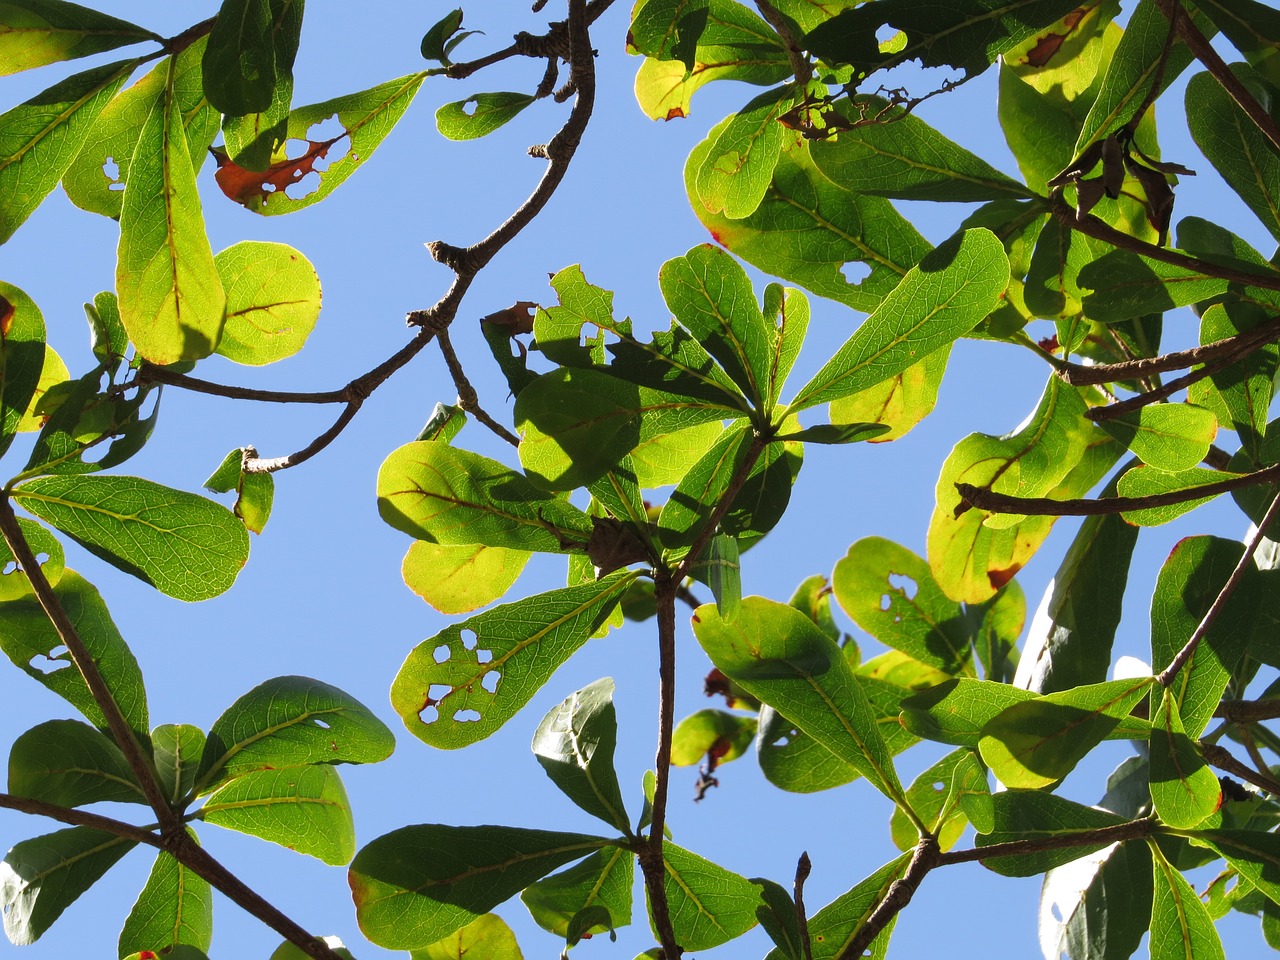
[
  {"x": 1248, "y": 711},
  {"x": 758, "y": 443},
  {"x": 923, "y": 859},
  {"x": 1113, "y": 411},
  {"x": 1221, "y": 758},
  {"x": 800, "y": 65},
  {"x": 1167, "y": 675},
  {"x": 81, "y": 818},
  {"x": 468, "y": 399},
  {"x": 1132, "y": 830},
  {"x": 993, "y": 502}
]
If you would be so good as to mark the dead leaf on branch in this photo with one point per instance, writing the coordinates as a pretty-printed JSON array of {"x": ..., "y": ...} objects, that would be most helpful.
[{"x": 251, "y": 188}]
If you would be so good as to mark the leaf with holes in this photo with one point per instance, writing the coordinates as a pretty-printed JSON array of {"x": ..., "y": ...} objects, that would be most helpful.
[
  {"x": 1184, "y": 791},
  {"x": 1038, "y": 742},
  {"x": 175, "y": 907},
  {"x": 40, "y": 138},
  {"x": 939, "y": 300},
  {"x": 22, "y": 354},
  {"x": 441, "y": 494},
  {"x": 289, "y": 722},
  {"x": 40, "y": 878},
  {"x": 182, "y": 544},
  {"x": 485, "y": 938},
  {"x": 480, "y": 114},
  {"x": 1034, "y": 815},
  {"x": 833, "y": 927},
  {"x": 38, "y": 32},
  {"x": 287, "y": 183},
  {"x": 273, "y": 300},
  {"x": 96, "y": 179},
  {"x": 815, "y": 232},
  {"x": 464, "y": 683},
  {"x": 71, "y": 764},
  {"x": 575, "y": 743},
  {"x": 459, "y": 578},
  {"x": 889, "y": 592},
  {"x": 29, "y": 639},
  {"x": 417, "y": 885},
  {"x": 946, "y": 797},
  {"x": 781, "y": 658},
  {"x": 302, "y": 808},
  {"x": 602, "y": 882},
  {"x": 794, "y": 761},
  {"x": 708, "y": 904}
]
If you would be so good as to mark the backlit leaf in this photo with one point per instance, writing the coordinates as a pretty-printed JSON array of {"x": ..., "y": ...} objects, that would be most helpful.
[
  {"x": 1034, "y": 815},
  {"x": 480, "y": 114},
  {"x": 36, "y": 32},
  {"x": 175, "y": 907},
  {"x": 709, "y": 905},
  {"x": 941, "y": 796},
  {"x": 603, "y": 881},
  {"x": 71, "y": 764},
  {"x": 273, "y": 300},
  {"x": 459, "y": 578},
  {"x": 1183, "y": 788},
  {"x": 738, "y": 168},
  {"x": 485, "y": 938},
  {"x": 22, "y": 353},
  {"x": 1099, "y": 906},
  {"x": 1168, "y": 436},
  {"x": 1180, "y": 922}
]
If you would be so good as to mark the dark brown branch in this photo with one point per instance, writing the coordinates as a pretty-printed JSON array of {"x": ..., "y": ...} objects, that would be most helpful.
[
  {"x": 1232, "y": 348},
  {"x": 468, "y": 399},
  {"x": 1118, "y": 409},
  {"x": 800, "y": 65},
  {"x": 993, "y": 502},
  {"x": 1133, "y": 830},
  {"x": 1248, "y": 711},
  {"x": 1167, "y": 675},
  {"x": 152, "y": 374},
  {"x": 80, "y": 818},
  {"x": 923, "y": 859},
  {"x": 272, "y": 464},
  {"x": 803, "y": 866},
  {"x": 1199, "y": 45},
  {"x": 139, "y": 764},
  {"x": 1221, "y": 758}
]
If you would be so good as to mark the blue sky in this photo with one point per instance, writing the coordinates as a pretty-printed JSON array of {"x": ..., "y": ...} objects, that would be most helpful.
[{"x": 322, "y": 594}]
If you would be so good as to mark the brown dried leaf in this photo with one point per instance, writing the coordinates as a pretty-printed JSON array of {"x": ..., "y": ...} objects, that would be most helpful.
[
  {"x": 247, "y": 186},
  {"x": 518, "y": 316}
]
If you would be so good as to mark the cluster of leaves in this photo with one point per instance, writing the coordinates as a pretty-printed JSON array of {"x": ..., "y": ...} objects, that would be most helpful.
[{"x": 800, "y": 184}]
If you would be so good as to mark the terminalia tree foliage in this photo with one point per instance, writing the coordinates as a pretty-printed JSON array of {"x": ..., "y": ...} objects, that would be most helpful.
[{"x": 652, "y": 463}]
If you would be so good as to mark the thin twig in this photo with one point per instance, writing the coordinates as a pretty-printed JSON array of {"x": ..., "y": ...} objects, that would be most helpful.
[
  {"x": 80, "y": 818},
  {"x": 1248, "y": 711},
  {"x": 923, "y": 859},
  {"x": 803, "y": 866},
  {"x": 993, "y": 502},
  {"x": 1132, "y": 830},
  {"x": 272, "y": 464},
  {"x": 1167, "y": 675},
  {"x": 1199, "y": 45},
  {"x": 153, "y": 374},
  {"x": 1222, "y": 758},
  {"x": 1113, "y": 411},
  {"x": 468, "y": 399},
  {"x": 139, "y": 764}
]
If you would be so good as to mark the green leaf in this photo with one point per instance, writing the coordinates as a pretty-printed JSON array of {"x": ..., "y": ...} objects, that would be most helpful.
[
  {"x": 794, "y": 761},
  {"x": 1138, "y": 60},
  {"x": 22, "y": 352},
  {"x": 830, "y": 433},
  {"x": 1180, "y": 923},
  {"x": 29, "y": 639},
  {"x": 40, "y": 878},
  {"x": 1167, "y": 436},
  {"x": 781, "y": 658},
  {"x": 184, "y": 952},
  {"x": 37, "y": 32},
  {"x": 899, "y": 402},
  {"x": 302, "y": 808},
  {"x": 737, "y": 170},
  {"x": 1245, "y": 158},
  {"x": 175, "y": 907},
  {"x": 711, "y": 296},
  {"x": 1053, "y": 289},
  {"x": 286, "y": 951},
  {"x": 1120, "y": 285},
  {"x": 40, "y": 138},
  {"x": 1252, "y": 27},
  {"x": 1034, "y": 815},
  {"x": 1254, "y": 854},
  {"x": 808, "y": 229},
  {"x": 416, "y": 885},
  {"x": 441, "y": 494},
  {"x": 723, "y": 574},
  {"x": 1072, "y": 634},
  {"x": 603, "y": 881},
  {"x": 899, "y": 155},
  {"x": 966, "y": 34},
  {"x": 941, "y": 298},
  {"x": 182, "y": 544},
  {"x": 574, "y": 743},
  {"x": 1148, "y": 481},
  {"x": 833, "y": 927},
  {"x": 665, "y": 459},
  {"x": 171, "y": 300},
  {"x": 889, "y": 592},
  {"x": 668, "y": 29},
  {"x": 71, "y": 764},
  {"x": 96, "y": 179},
  {"x": 459, "y": 578},
  {"x": 365, "y": 119},
  {"x": 289, "y": 722},
  {"x": 436, "y": 40},
  {"x": 480, "y": 114},
  {"x": 461, "y": 685},
  {"x": 1103, "y": 900},
  {"x": 255, "y": 492},
  {"x": 177, "y": 749},
  {"x": 1183, "y": 788},
  {"x": 999, "y": 625},
  {"x": 485, "y": 938},
  {"x": 941, "y": 796},
  {"x": 956, "y": 711},
  {"x": 709, "y": 905},
  {"x": 273, "y": 300},
  {"x": 724, "y": 735},
  {"x": 240, "y": 63},
  {"x": 1245, "y": 388},
  {"x": 252, "y": 138},
  {"x": 1038, "y": 742},
  {"x": 576, "y": 425}
]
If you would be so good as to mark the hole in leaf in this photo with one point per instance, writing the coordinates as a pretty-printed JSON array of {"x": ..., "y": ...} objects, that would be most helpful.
[
  {"x": 484, "y": 656},
  {"x": 885, "y": 33},
  {"x": 469, "y": 639},
  {"x": 855, "y": 271},
  {"x": 939, "y": 786},
  {"x": 1057, "y": 913},
  {"x": 903, "y": 583},
  {"x": 303, "y": 186},
  {"x": 886, "y": 602},
  {"x": 438, "y": 691},
  {"x": 323, "y": 724},
  {"x": 111, "y": 170},
  {"x": 42, "y": 558},
  {"x": 51, "y": 662},
  {"x": 467, "y": 716},
  {"x": 490, "y": 681},
  {"x": 781, "y": 741},
  {"x": 469, "y": 107},
  {"x": 324, "y": 131},
  {"x": 11, "y": 567},
  {"x": 429, "y": 713},
  {"x": 441, "y": 653}
]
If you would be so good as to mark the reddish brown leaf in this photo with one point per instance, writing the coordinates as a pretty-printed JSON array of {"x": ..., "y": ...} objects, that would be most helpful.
[
  {"x": 518, "y": 316},
  {"x": 999, "y": 578},
  {"x": 246, "y": 187}
]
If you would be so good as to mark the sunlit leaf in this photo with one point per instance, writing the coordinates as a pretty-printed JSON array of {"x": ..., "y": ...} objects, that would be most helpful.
[
  {"x": 273, "y": 300},
  {"x": 480, "y": 114},
  {"x": 1034, "y": 815},
  {"x": 36, "y": 32},
  {"x": 942, "y": 796},
  {"x": 1183, "y": 788},
  {"x": 485, "y": 938},
  {"x": 459, "y": 578},
  {"x": 709, "y": 905},
  {"x": 175, "y": 907},
  {"x": 1180, "y": 923},
  {"x": 71, "y": 764},
  {"x": 603, "y": 881}
]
